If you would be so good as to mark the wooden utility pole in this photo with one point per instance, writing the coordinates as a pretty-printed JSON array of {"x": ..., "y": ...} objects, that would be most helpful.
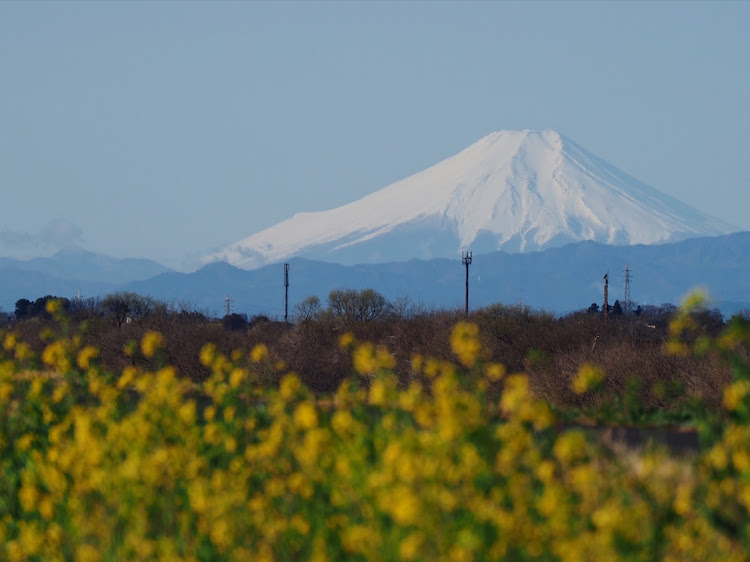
[
  {"x": 466, "y": 260},
  {"x": 606, "y": 298},
  {"x": 286, "y": 293}
]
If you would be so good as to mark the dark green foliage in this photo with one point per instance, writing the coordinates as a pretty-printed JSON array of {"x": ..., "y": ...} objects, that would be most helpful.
[{"x": 27, "y": 309}]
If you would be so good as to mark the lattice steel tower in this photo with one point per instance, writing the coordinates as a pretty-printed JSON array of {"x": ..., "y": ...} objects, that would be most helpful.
[{"x": 627, "y": 303}]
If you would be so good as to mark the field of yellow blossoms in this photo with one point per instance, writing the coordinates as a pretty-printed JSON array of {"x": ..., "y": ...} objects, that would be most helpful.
[{"x": 145, "y": 465}]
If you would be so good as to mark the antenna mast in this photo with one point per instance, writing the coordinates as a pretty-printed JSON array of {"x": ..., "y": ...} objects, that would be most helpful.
[
  {"x": 466, "y": 260},
  {"x": 286, "y": 293}
]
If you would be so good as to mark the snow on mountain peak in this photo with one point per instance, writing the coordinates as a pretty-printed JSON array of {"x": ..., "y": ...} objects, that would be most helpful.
[{"x": 513, "y": 190}]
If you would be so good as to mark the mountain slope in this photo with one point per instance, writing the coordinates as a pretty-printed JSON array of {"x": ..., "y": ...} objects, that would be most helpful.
[{"x": 518, "y": 191}]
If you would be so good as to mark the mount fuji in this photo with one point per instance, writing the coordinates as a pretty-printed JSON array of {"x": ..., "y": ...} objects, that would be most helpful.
[{"x": 517, "y": 191}]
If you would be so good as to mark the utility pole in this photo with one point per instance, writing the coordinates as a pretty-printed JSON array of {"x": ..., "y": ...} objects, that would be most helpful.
[
  {"x": 286, "y": 293},
  {"x": 606, "y": 298},
  {"x": 466, "y": 260}
]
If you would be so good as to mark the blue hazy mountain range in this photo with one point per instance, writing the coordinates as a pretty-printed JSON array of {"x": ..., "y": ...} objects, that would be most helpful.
[{"x": 558, "y": 280}]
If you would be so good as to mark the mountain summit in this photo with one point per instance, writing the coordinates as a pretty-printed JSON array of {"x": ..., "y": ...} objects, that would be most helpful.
[{"x": 518, "y": 191}]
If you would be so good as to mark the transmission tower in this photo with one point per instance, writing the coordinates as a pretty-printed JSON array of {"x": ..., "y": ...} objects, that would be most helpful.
[
  {"x": 466, "y": 260},
  {"x": 627, "y": 303},
  {"x": 227, "y": 306},
  {"x": 286, "y": 293}
]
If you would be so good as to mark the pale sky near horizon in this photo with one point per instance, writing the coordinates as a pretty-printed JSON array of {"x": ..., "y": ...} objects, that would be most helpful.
[{"x": 167, "y": 130}]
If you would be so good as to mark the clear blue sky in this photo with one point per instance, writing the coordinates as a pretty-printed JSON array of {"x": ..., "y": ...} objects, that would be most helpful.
[{"x": 169, "y": 129}]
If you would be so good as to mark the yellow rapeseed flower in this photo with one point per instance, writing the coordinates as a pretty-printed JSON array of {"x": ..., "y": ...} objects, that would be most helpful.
[
  {"x": 186, "y": 412},
  {"x": 570, "y": 446},
  {"x": 377, "y": 392},
  {"x": 86, "y": 355},
  {"x": 23, "y": 351},
  {"x": 23, "y": 443},
  {"x": 364, "y": 360},
  {"x": 28, "y": 496},
  {"x": 587, "y": 378},
  {"x": 290, "y": 386},
  {"x": 734, "y": 395},
  {"x": 677, "y": 348},
  {"x": 46, "y": 508},
  {"x": 259, "y": 353},
  {"x": 127, "y": 377},
  {"x": 9, "y": 342},
  {"x": 208, "y": 354},
  {"x": 6, "y": 389},
  {"x": 53, "y": 306},
  {"x": 495, "y": 371},
  {"x": 306, "y": 415},
  {"x": 236, "y": 377},
  {"x": 151, "y": 342},
  {"x": 416, "y": 363},
  {"x": 515, "y": 394},
  {"x": 55, "y": 355},
  {"x": 405, "y": 506},
  {"x": 346, "y": 340},
  {"x": 741, "y": 461},
  {"x": 342, "y": 422},
  {"x": 465, "y": 342},
  {"x": 410, "y": 546}
]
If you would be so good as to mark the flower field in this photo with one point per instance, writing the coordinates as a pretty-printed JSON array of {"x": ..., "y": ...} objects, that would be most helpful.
[{"x": 145, "y": 464}]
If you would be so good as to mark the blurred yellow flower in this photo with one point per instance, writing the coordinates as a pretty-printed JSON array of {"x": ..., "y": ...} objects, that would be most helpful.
[
  {"x": 9, "y": 342},
  {"x": 306, "y": 416},
  {"x": 290, "y": 386},
  {"x": 151, "y": 342},
  {"x": 86, "y": 355},
  {"x": 364, "y": 359},
  {"x": 259, "y": 353},
  {"x": 410, "y": 546},
  {"x": 735, "y": 394},
  {"x": 465, "y": 343},
  {"x": 570, "y": 446},
  {"x": 495, "y": 371},
  {"x": 53, "y": 306},
  {"x": 346, "y": 340},
  {"x": 208, "y": 354},
  {"x": 587, "y": 378}
]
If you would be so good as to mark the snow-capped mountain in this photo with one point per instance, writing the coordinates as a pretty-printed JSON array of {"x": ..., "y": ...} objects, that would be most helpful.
[{"x": 518, "y": 191}]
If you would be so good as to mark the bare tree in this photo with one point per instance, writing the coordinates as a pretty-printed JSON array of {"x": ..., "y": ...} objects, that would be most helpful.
[
  {"x": 308, "y": 309},
  {"x": 361, "y": 306},
  {"x": 126, "y": 306}
]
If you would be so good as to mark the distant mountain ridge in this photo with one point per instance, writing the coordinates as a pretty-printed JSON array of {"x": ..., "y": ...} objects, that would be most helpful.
[
  {"x": 559, "y": 280},
  {"x": 67, "y": 272},
  {"x": 517, "y": 191},
  {"x": 81, "y": 264}
]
